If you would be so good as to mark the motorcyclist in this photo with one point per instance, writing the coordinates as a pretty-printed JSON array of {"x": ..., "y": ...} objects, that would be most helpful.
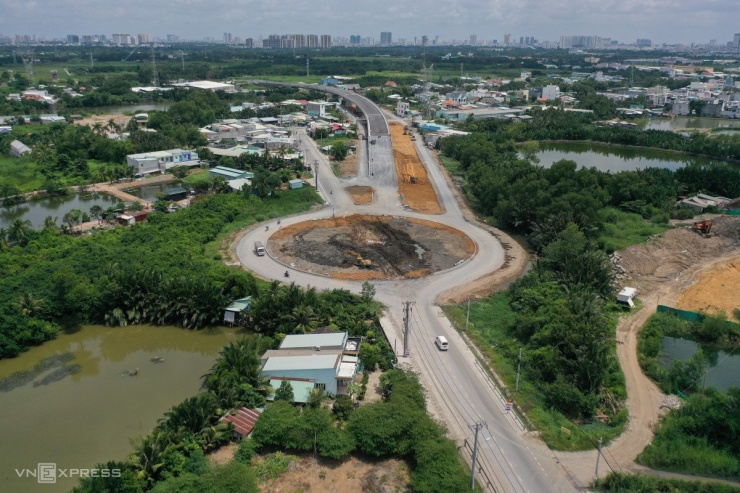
[{"x": 287, "y": 274}]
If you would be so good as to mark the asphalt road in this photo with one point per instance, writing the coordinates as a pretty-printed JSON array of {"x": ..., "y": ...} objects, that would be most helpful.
[{"x": 460, "y": 393}]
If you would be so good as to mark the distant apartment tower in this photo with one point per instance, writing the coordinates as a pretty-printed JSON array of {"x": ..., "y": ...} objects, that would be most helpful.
[
  {"x": 507, "y": 39},
  {"x": 386, "y": 38},
  {"x": 424, "y": 40},
  {"x": 172, "y": 38},
  {"x": 249, "y": 42},
  {"x": 326, "y": 41},
  {"x": 736, "y": 41},
  {"x": 123, "y": 39},
  {"x": 368, "y": 41},
  {"x": 473, "y": 40},
  {"x": 355, "y": 39},
  {"x": 73, "y": 39},
  {"x": 227, "y": 37},
  {"x": 145, "y": 38},
  {"x": 312, "y": 41},
  {"x": 644, "y": 43}
]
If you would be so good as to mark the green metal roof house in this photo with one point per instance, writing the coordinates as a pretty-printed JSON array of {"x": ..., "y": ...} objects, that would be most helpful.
[
  {"x": 293, "y": 184},
  {"x": 234, "y": 313},
  {"x": 229, "y": 173}
]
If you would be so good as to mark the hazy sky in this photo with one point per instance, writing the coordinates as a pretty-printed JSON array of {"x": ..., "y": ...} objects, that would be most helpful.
[{"x": 670, "y": 21}]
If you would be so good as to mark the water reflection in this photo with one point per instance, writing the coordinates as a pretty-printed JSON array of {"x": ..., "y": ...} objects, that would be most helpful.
[
  {"x": 77, "y": 418},
  {"x": 38, "y": 210},
  {"x": 723, "y": 369}
]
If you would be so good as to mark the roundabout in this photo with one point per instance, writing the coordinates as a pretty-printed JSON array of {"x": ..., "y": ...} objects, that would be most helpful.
[{"x": 363, "y": 247}]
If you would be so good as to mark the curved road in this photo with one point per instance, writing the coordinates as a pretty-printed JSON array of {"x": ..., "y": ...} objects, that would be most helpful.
[{"x": 460, "y": 393}]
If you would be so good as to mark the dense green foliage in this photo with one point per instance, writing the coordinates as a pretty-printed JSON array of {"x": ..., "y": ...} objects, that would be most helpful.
[
  {"x": 699, "y": 438},
  {"x": 618, "y": 482}
]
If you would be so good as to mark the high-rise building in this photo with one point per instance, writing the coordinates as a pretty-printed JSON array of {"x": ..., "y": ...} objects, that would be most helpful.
[
  {"x": 325, "y": 41},
  {"x": 145, "y": 38},
  {"x": 386, "y": 38},
  {"x": 368, "y": 41},
  {"x": 73, "y": 39},
  {"x": 507, "y": 39},
  {"x": 312, "y": 40},
  {"x": 227, "y": 38},
  {"x": 355, "y": 39},
  {"x": 473, "y": 40},
  {"x": 424, "y": 40},
  {"x": 249, "y": 42},
  {"x": 172, "y": 38},
  {"x": 272, "y": 42},
  {"x": 736, "y": 41},
  {"x": 644, "y": 43}
]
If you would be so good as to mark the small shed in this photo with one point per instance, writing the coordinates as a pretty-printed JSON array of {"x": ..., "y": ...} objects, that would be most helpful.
[
  {"x": 293, "y": 184},
  {"x": 234, "y": 313},
  {"x": 627, "y": 296},
  {"x": 178, "y": 193},
  {"x": 126, "y": 220},
  {"x": 18, "y": 148},
  {"x": 243, "y": 420},
  {"x": 302, "y": 388}
]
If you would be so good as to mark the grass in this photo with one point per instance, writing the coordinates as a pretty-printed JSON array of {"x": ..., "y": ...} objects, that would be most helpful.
[
  {"x": 491, "y": 321},
  {"x": 618, "y": 482},
  {"x": 452, "y": 165},
  {"x": 622, "y": 229},
  {"x": 689, "y": 455},
  {"x": 20, "y": 173}
]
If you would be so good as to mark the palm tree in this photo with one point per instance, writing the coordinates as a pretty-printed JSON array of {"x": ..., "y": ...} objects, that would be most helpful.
[
  {"x": 50, "y": 223},
  {"x": 98, "y": 128},
  {"x": 19, "y": 231},
  {"x": 113, "y": 126},
  {"x": 28, "y": 305},
  {"x": 304, "y": 319}
]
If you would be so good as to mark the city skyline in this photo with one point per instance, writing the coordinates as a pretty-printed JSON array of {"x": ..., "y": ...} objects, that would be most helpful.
[{"x": 662, "y": 21}]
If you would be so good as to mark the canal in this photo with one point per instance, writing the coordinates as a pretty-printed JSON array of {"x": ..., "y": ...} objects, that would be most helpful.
[{"x": 71, "y": 401}]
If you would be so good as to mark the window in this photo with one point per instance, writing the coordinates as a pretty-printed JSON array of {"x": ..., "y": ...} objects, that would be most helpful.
[{"x": 321, "y": 386}]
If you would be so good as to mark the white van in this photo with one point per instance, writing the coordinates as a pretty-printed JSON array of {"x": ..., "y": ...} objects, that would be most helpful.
[
  {"x": 441, "y": 342},
  {"x": 259, "y": 248}
]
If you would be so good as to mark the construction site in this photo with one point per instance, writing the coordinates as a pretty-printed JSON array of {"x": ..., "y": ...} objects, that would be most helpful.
[
  {"x": 360, "y": 247},
  {"x": 417, "y": 191}
]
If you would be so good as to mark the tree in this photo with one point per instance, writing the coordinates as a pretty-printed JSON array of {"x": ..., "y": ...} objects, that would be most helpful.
[
  {"x": 339, "y": 150},
  {"x": 285, "y": 392},
  {"x": 19, "y": 231},
  {"x": 29, "y": 305},
  {"x": 368, "y": 292}
]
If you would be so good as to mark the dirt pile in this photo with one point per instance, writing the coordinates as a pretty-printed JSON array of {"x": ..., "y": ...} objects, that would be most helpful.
[
  {"x": 413, "y": 182},
  {"x": 673, "y": 255},
  {"x": 360, "y": 247},
  {"x": 718, "y": 290}
]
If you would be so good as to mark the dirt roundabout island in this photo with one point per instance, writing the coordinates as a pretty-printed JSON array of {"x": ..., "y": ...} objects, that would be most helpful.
[{"x": 361, "y": 247}]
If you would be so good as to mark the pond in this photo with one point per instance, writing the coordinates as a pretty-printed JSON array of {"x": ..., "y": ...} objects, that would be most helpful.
[
  {"x": 684, "y": 122},
  {"x": 149, "y": 192},
  {"x": 723, "y": 369},
  {"x": 76, "y": 406},
  {"x": 38, "y": 210},
  {"x": 615, "y": 158}
]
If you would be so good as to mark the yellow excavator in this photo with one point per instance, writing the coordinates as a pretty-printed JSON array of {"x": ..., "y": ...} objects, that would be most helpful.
[{"x": 359, "y": 261}]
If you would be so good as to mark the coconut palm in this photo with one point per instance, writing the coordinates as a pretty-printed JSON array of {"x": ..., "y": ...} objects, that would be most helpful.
[
  {"x": 303, "y": 318},
  {"x": 98, "y": 128},
  {"x": 50, "y": 223},
  {"x": 19, "y": 231},
  {"x": 29, "y": 305}
]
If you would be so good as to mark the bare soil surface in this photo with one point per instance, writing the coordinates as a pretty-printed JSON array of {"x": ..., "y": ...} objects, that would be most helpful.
[
  {"x": 413, "y": 181},
  {"x": 350, "y": 476},
  {"x": 662, "y": 270},
  {"x": 119, "y": 118},
  {"x": 348, "y": 167},
  {"x": 360, "y": 195},
  {"x": 362, "y": 247},
  {"x": 716, "y": 291}
]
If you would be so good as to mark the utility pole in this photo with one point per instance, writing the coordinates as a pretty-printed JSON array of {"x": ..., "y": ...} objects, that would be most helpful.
[
  {"x": 467, "y": 316},
  {"x": 92, "y": 62},
  {"x": 477, "y": 426},
  {"x": 518, "y": 369},
  {"x": 155, "y": 75},
  {"x": 598, "y": 456},
  {"x": 406, "y": 326},
  {"x": 316, "y": 172},
  {"x": 307, "y": 70}
]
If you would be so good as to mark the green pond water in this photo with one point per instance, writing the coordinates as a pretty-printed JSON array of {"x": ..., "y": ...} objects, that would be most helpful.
[
  {"x": 37, "y": 211},
  {"x": 723, "y": 369},
  {"x": 71, "y": 402},
  {"x": 616, "y": 158}
]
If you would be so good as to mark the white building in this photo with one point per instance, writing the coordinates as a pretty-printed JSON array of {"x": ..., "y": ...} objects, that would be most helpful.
[
  {"x": 401, "y": 109},
  {"x": 160, "y": 161},
  {"x": 550, "y": 92}
]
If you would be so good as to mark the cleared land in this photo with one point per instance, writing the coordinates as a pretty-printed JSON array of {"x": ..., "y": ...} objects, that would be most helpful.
[
  {"x": 718, "y": 290},
  {"x": 360, "y": 195},
  {"x": 362, "y": 247},
  {"x": 413, "y": 182},
  {"x": 348, "y": 167}
]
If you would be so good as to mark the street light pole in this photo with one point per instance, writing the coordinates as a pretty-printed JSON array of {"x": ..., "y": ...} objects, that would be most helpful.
[{"x": 316, "y": 171}]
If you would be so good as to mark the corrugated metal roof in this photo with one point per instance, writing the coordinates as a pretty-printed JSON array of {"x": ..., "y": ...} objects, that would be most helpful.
[
  {"x": 244, "y": 420},
  {"x": 297, "y": 341},
  {"x": 240, "y": 304},
  {"x": 301, "y": 389},
  {"x": 347, "y": 370},
  {"x": 312, "y": 362}
]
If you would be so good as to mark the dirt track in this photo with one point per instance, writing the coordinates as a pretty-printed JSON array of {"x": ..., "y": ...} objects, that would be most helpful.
[{"x": 662, "y": 270}]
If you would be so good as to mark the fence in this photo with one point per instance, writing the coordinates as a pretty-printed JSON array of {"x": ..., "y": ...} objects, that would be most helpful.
[{"x": 691, "y": 316}]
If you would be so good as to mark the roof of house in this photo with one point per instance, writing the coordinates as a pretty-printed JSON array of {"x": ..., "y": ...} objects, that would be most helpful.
[
  {"x": 297, "y": 341},
  {"x": 309, "y": 362},
  {"x": 298, "y": 352},
  {"x": 240, "y": 305},
  {"x": 301, "y": 388},
  {"x": 243, "y": 420},
  {"x": 19, "y": 146}
]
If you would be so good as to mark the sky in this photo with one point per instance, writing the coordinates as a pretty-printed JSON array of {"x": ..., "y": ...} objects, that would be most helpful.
[{"x": 669, "y": 21}]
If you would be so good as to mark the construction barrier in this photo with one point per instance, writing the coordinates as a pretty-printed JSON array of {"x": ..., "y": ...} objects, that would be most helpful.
[
  {"x": 734, "y": 212},
  {"x": 686, "y": 315}
]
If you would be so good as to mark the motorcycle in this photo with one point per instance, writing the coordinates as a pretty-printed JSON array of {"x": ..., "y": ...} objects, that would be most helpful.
[{"x": 287, "y": 274}]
